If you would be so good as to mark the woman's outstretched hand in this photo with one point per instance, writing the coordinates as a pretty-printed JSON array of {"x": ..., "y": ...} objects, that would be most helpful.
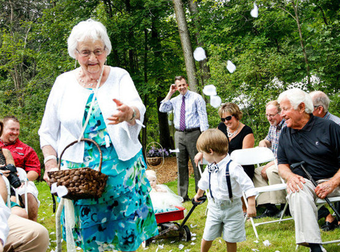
[{"x": 123, "y": 113}]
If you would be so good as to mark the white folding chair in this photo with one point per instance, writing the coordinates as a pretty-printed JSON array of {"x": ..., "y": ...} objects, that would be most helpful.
[
  {"x": 23, "y": 179},
  {"x": 257, "y": 156},
  {"x": 321, "y": 202},
  {"x": 200, "y": 169}
]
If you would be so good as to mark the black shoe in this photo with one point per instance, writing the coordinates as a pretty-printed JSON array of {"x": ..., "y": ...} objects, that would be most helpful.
[
  {"x": 185, "y": 199},
  {"x": 267, "y": 213},
  {"x": 287, "y": 213},
  {"x": 328, "y": 226}
]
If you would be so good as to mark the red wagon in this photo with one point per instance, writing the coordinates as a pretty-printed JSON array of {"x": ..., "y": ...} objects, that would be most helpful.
[{"x": 167, "y": 226}]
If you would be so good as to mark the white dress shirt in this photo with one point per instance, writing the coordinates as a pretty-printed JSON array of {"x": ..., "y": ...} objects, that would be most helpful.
[
  {"x": 195, "y": 110},
  {"x": 240, "y": 181}
]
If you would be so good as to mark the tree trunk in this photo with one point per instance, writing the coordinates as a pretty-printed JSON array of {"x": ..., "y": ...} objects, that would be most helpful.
[
  {"x": 186, "y": 44},
  {"x": 295, "y": 6},
  {"x": 204, "y": 68}
]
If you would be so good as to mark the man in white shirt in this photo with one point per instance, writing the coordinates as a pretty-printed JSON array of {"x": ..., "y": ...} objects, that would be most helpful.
[{"x": 190, "y": 119}]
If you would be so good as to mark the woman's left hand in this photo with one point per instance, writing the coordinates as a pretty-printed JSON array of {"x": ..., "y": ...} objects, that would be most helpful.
[{"x": 124, "y": 113}]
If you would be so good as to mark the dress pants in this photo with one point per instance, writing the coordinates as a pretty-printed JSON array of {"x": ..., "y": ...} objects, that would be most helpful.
[
  {"x": 275, "y": 197},
  {"x": 26, "y": 235},
  {"x": 304, "y": 211},
  {"x": 186, "y": 143}
]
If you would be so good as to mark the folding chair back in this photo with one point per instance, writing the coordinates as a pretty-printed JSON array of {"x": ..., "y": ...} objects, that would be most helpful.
[{"x": 257, "y": 156}]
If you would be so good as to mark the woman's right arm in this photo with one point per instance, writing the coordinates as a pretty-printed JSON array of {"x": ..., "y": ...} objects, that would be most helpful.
[{"x": 50, "y": 160}]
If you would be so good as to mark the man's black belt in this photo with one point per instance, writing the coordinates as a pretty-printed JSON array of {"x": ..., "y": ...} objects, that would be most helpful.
[{"x": 189, "y": 130}]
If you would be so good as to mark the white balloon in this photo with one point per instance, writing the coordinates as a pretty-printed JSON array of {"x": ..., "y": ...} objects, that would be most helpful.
[
  {"x": 209, "y": 90},
  {"x": 230, "y": 66},
  {"x": 215, "y": 101},
  {"x": 255, "y": 12},
  {"x": 199, "y": 54}
]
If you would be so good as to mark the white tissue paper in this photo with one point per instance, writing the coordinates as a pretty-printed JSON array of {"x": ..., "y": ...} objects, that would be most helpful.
[
  {"x": 255, "y": 12},
  {"x": 266, "y": 243},
  {"x": 175, "y": 150},
  {"x": 230, "y": 66},
  {"x": 209, "y": 90},
  {"x": 215, "y": 101},
  {"x": 61, "y": 191},
  {"x": 199, "y": 54}
]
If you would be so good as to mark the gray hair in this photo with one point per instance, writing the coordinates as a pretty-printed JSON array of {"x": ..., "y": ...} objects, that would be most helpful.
[
  {"x": 296, "y": 96},
  {"x": 320, "y": 99},
  {"x": 88, "y": 29}
]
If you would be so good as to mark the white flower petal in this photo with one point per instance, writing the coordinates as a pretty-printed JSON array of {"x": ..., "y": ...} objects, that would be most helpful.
[
  {"x": 215, "y": 101},
  {"x": 255, "y": 12},
  {"x": 230, "y": 66},
  {"x": 209, "y": 90},
  {"x": 199, "y": 54},
  {"x": 266, "y": 243}
]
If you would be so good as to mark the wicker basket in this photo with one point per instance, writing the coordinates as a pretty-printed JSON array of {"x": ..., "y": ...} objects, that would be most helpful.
[
  {"x": 81, "y": 183},
  {"x": 154, "y": 160}
]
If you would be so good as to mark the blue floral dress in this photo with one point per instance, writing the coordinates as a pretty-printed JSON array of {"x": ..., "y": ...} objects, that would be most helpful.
[{"x": 123, "y": 217}]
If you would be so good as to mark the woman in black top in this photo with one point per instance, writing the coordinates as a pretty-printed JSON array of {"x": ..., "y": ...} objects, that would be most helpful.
[{"x": 240, "y": 135}]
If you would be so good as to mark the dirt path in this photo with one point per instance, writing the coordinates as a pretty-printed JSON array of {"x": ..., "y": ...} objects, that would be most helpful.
[{"x": 168, "y": 171}]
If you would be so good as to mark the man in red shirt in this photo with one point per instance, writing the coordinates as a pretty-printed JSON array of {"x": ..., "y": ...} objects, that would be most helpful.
[{"x": 24, "y": 157}]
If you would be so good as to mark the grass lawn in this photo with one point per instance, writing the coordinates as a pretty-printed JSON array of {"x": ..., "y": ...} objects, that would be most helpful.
[{"x": 280, "y": 235}]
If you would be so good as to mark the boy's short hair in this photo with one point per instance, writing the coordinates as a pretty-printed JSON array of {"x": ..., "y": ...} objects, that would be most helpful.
[{"x": 213, "y": 139}]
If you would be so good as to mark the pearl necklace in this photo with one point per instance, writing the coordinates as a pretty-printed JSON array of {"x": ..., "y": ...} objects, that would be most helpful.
[
  {"x": 85, "y": 83},
  {"x": 231, "y": 134}
]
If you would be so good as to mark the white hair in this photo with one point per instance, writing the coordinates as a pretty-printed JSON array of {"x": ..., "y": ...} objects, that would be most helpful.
[
  {"x": 150, "y": 174},
  {"x": 88, "y": 29},
  {"x": 296, "y": 96}
]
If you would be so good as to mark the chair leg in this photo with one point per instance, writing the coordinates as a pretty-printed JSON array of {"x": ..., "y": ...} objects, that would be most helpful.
[{"x": 251, "y": 219}]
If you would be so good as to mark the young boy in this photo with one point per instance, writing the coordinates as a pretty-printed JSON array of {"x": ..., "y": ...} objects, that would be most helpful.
[{"x": 225, "y": 206}]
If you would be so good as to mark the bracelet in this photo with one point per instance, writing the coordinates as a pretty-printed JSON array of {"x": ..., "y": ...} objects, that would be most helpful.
[
  {"x": 49, "y": 158},
  {"x": 133, "y": 114}
]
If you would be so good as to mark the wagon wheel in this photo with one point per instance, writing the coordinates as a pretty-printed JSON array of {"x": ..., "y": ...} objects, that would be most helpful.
[
  {"x": 154, "y": 161},
  {"x": 186, "y": 235}
]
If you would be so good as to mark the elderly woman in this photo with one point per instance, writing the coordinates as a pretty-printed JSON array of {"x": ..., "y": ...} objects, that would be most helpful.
[
  {"x": 240, "y": 135},
  {"x": 122, "y": 218}
]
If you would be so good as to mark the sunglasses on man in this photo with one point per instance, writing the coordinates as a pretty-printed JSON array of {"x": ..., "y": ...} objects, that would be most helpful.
[{"x": 228, "y": 118}]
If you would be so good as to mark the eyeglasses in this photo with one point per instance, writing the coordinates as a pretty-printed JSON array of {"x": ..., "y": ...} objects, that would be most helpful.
[
  {"x": 228, "y": 118},
  {"x": 87, "y": 53},
  {"x": 316, "y": 107},
  {"x": 271, "y": 115}
]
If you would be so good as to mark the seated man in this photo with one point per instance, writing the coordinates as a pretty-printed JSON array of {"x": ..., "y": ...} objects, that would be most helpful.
[
  {"x": 317, "y": 142},
  {"x": 321, "y": 105},
  {"x": 268, "y": 174},
  {"x": 24, "y": 157},
  {"x": 19, "y": 234}
]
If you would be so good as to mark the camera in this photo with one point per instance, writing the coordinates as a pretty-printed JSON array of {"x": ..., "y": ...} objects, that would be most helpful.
[{"x": 12, "y": 177}]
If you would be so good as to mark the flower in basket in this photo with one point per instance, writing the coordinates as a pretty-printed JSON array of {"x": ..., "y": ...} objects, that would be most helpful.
[{"x": 157, "y": 152}]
